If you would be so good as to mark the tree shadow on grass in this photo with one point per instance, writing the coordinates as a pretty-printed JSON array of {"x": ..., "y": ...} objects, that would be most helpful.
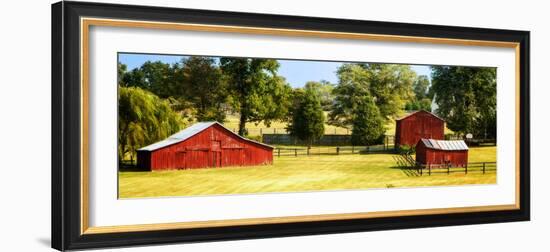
[
  {"x": 409, "y": 171},
  {"x": 130, "y": 168}
]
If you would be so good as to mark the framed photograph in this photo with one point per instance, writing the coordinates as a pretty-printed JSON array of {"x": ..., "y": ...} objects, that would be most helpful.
[{"x": 179, "y": 125}]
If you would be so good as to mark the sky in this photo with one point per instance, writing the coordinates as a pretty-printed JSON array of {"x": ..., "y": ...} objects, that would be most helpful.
[{"x": 296, "y": 72}]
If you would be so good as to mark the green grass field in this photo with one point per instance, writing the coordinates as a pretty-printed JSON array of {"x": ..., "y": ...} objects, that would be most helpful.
[{"x": 298, "y": 174}]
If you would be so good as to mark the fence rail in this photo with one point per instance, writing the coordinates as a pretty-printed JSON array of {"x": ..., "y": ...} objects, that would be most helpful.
[
  {"x": 483, "y": 167},
  {"x": 262, "y": 131},
  {"x": 325, "y": 140},
  {"x": 329, "y": 150}
]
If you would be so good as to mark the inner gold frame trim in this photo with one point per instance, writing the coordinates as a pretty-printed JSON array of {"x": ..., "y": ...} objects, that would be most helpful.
[{"x": 86, "y": 23}]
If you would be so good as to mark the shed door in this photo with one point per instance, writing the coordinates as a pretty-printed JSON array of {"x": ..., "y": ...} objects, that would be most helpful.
[{"x": 448, "y": 157}]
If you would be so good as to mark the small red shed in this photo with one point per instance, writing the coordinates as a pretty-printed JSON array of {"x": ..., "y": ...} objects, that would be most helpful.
[
  {"x": 204, "y": 144},
  {"x": 420, "y": 124},
  {"x": 438, "y": 152}
]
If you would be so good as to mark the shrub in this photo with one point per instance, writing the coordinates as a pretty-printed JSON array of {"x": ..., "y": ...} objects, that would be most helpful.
[{"x": 406, "y": 149}]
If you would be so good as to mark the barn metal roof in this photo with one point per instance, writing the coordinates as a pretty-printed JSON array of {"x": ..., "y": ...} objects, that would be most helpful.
[
  {"x": 418, "y": 111},
  {"x": 189, "y": 132},
  {"x": 444, "y": 145}
]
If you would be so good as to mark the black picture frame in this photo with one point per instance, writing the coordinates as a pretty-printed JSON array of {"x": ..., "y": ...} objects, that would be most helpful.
[{"x": 66, "y": 124}]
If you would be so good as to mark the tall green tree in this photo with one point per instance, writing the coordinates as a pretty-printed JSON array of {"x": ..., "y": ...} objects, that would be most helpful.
[
  {"x": 389, "y": 85},
  {"x": 323, "y": 89},
  {"x": 421, "y": 86},
  {"x": 143, "y": 118},
  {"x": 368, "y": 124},
  {"x": 466, "y": 98},
  {"x": 422, "y": 97},
  {"x": 257, "y": 93},
  {"x": 156, "y": 77},
  {"x": 308, "y": 118},
  {"x": 204, "y": 87}
]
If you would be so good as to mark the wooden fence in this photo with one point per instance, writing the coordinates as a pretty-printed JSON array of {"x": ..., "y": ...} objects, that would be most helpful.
[
  {"x": 325, "y": 140},
  {"x": 407, "y": 162},
  {"x": 331, "y": 150},
  {"x": 262, "y": 131}
]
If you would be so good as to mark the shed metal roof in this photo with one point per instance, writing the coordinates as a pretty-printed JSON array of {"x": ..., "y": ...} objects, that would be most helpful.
[
  {"x": 189, "y": 132},
  {"x": 444, "y": 145}
]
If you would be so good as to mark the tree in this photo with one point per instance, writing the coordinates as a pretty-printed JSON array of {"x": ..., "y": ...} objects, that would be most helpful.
[
  {"x": 368, "y": 124},
  {"x": 143, "y": 118},
  {"x": 121, "y": 71},
  {"x": 323, "y": 89},
  {"x": 308, "y": 118},
  {"x": 353, "y": 86},
  {"x": 421, "y": 99},
  {"x": 466, "y": 98},
  {"x": 257, "y": 93},
  {"x": 420, "y": 87},
  {"x": 156, "y": 77},
  {"x": 204, "y": 87},
  {"x": 389, "y": 85}
]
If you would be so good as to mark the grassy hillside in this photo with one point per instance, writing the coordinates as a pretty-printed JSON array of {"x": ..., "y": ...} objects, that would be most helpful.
[{"x": 298, "y": 174}]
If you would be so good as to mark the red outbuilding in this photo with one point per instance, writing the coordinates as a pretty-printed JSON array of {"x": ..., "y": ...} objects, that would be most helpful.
[
  {"x": 204, "y": 144},
  {"x": 420, "y": 124},
  {"x": 441, "y": 152}
]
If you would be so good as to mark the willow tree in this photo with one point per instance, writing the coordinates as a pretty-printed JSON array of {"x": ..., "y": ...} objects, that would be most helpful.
[{"x": 143, "y": 118}]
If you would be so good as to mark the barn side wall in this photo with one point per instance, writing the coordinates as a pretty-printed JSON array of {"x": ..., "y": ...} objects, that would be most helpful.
[
  {"x": 397, "y": 140},
  {"x": 213, "y": 147},
  {"x": 456, "y": 158},
  {"x": 411, "y": 129}
]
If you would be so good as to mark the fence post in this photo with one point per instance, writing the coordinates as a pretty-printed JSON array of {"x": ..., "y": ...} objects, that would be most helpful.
[
  {"x": 483, "y": 167},
  {"x": 421, "y": 170},
  {"x": 430, "y": 170},
  {"x": 337, "y": 150},
  {"x": 295, "y": 152},
  {"x": 448, "y": 169},
  {"x": 466, "y": 169},
  {"x": 352, "y": 149},
  {"x": 308, "y": 150},
  {"x": 279, "y": 152}
]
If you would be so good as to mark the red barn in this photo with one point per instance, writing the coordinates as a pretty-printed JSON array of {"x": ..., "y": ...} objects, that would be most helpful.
[
  {"x": 204, "y": 144},
  {"x": 437, "y": 152},
  {"x": 420, "y": 124}
]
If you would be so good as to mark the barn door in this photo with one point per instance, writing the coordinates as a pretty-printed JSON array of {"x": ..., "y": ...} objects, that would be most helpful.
[
  {"x": 180, "y": 160},
  {"x": 216, "y": 154}
]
